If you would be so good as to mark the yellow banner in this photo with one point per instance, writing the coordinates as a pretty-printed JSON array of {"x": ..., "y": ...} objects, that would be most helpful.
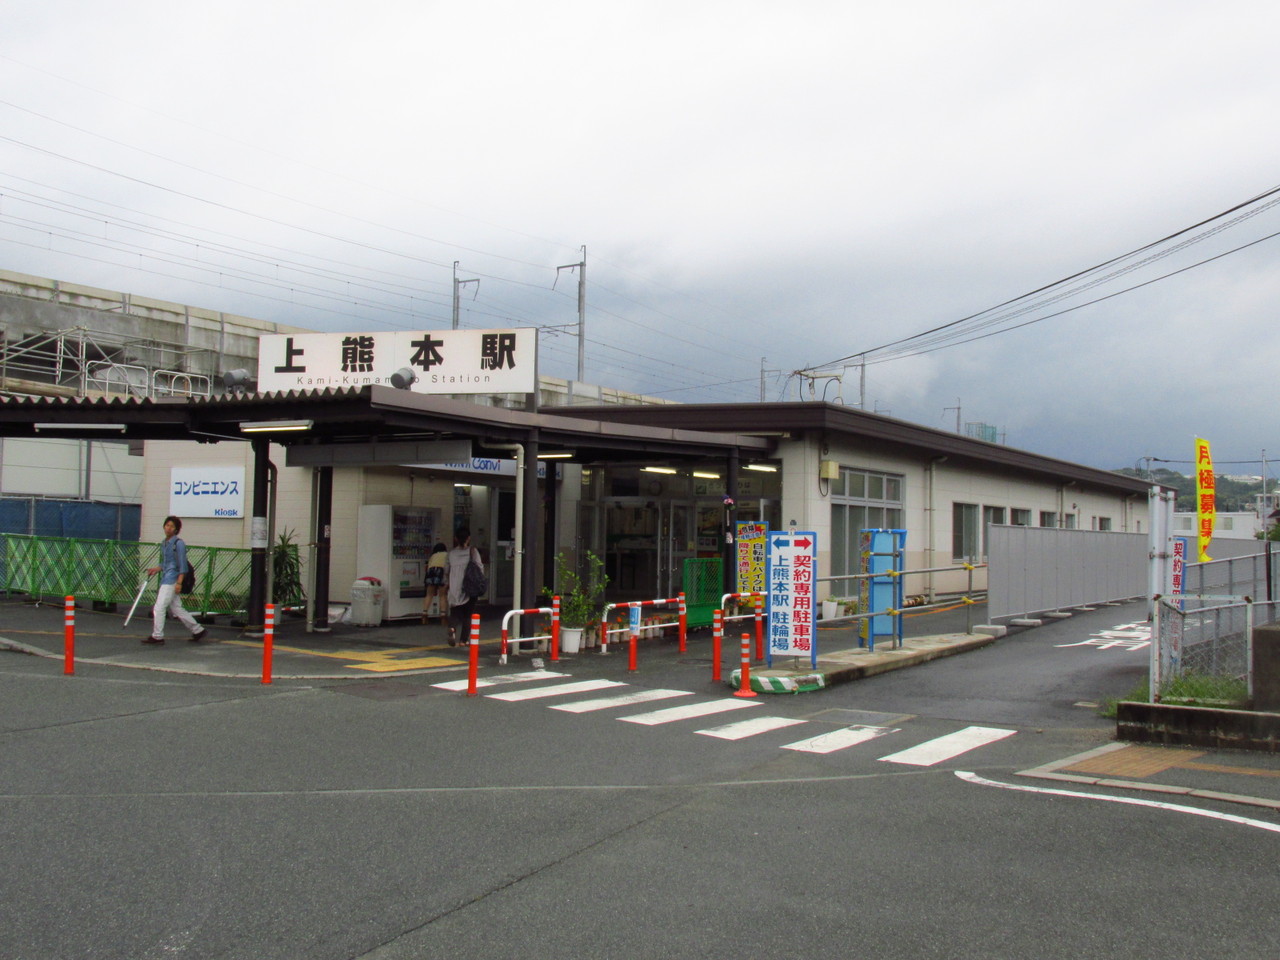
[{"x": 1204, "y": 497}]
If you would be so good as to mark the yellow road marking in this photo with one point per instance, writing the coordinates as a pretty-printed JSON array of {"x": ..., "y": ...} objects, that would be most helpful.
[
  {"x": 377, "y": 661},
  {"x": 1219, "y": 768},
  {"x": 1135, "y": 761}
]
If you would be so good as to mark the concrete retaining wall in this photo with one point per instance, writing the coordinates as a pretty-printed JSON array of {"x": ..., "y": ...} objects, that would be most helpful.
[{"x": 1198, "y": 726}]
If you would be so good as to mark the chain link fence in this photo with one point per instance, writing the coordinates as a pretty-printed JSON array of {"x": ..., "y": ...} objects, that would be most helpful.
[{"x": 1207, "y": 631}]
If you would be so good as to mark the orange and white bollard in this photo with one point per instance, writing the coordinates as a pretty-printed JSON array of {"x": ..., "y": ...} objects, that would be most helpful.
[
  {"x": 473, "y": 663},
  {"x": 759, "y": 628},
  {"x": 744, "y": 687},
  {"x": 555, "y": 629},
  {"x": 633, "y": 644},
  {"x": 717, "y": 638},
  {"x": 268, "y": 640},
  {"x": 684, "y": 625},
  {"x": 69, "y": 636}
]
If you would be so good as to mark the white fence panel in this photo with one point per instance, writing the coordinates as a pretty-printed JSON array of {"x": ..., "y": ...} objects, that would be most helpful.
[{"x": 1039, "y": 569}]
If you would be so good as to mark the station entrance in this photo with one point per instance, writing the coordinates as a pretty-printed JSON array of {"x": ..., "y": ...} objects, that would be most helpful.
[{"x": 646, "y": 527}]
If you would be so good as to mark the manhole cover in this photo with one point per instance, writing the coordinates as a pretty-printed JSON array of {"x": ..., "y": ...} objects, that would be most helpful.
[
  {"x": 864, "y": 717},
  {"x": 380, "y": 690}
]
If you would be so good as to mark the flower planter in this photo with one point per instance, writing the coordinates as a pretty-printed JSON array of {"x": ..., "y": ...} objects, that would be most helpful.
[{"x": 570, "y": 639}]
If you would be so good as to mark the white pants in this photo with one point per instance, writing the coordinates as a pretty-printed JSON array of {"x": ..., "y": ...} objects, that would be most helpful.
[{"x": 169, "y": 601}]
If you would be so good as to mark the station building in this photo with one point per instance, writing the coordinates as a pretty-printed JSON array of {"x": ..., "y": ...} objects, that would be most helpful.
[{"x": 642, "y": 483}]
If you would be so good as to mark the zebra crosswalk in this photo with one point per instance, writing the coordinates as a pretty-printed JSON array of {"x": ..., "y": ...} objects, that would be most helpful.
[{"x": 926, "y": 754}]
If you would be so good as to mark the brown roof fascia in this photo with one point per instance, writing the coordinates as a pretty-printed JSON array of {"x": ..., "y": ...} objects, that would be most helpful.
[{"x": 886, "y": 433}]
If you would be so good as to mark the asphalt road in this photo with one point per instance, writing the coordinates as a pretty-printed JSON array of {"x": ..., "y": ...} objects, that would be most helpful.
[{"x": 150, "y": 816}]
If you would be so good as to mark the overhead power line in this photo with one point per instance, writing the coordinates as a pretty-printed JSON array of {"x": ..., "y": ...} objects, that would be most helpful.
[{"x": 965, "y": 329}]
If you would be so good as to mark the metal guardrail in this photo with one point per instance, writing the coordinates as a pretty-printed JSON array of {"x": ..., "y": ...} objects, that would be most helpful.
[{"x": 967, "y": 598}]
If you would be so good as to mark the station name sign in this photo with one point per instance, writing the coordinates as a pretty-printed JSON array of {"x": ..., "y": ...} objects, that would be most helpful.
[{"x": 434, "y": 361}]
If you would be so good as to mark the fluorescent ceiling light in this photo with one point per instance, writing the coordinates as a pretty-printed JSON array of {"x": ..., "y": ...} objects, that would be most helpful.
[
  {"x": 276, "y": 426},
  {"x": 108, "y": 427},
  {"x": 556, "y": 455},
  {"x": 669, "y": 470},
  {"x": 705, "y": 475},
  {"x": 761, "y": 467}
]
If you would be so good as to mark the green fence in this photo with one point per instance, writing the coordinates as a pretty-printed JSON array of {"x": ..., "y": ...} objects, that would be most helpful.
[
  {"x": 703, "y": 587},
  {"x": 110, "y": 571}
]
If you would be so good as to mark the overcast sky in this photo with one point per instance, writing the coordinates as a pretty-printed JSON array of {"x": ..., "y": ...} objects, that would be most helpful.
[{"x": 757, "y": 186}]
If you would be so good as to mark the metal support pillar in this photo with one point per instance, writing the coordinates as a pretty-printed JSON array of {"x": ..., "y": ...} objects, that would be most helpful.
[
  {"x": 323, "y": 479},
  {"x": 259, "y": 539}
]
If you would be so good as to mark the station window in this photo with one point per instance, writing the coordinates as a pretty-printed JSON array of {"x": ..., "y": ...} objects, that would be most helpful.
[
  {"x": 860, "y": 500},
  {"x": 964, "y": 531}
]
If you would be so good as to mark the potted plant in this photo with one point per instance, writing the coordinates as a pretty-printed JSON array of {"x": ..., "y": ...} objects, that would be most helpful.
[
  {"x": 581, "y": 597},
  {"x": 287, "y": 590}
]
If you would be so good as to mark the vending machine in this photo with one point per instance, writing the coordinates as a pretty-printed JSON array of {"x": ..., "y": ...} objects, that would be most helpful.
[{"x": 392, "y": 544}]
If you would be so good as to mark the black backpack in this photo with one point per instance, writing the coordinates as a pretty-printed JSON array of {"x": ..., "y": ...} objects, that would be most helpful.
[{"x": 188, "y": 578}]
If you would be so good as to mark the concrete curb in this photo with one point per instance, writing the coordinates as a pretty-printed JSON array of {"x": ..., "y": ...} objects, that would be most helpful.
[
  {"x": 1049, "y": 772},
  {"x": 858, "y": 663}
]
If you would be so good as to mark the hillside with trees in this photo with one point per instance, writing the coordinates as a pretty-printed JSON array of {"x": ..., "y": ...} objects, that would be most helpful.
[{"x": 1231, "y": 496}]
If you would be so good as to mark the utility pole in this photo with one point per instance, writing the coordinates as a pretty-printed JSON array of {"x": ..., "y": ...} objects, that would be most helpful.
[
  {"x": 763, "y": 373},
  {"x": 956, "y": 408},
  {"x": 581, "y": 267},
  {"x": 457, "y": 285}
]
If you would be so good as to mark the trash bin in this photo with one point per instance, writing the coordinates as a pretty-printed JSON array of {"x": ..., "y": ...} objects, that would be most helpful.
[{"x": 367, "y": 597}]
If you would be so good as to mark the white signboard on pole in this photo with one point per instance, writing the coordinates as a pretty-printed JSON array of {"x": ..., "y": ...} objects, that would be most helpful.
[
  {"x": 443, "y": 361},
  {"x": 791, "y": 576},
  {"x": 207, "y": 492}
]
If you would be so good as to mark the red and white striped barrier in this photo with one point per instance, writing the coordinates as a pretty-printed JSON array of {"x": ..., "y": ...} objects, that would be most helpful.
[
  {"x": 651, "y": 628},
  {"x": 506, "y": 629},
  {"x": 758, "y": 614}
]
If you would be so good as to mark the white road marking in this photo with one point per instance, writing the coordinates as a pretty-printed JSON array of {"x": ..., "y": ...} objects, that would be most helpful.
[
  {"x": 626, "y": 699},
  {"x": 582, "y": 686},
  {"x": 1132, "y": 801},
  {"x": 687, "y": 712},
  {"x": 952, "y": 745},
  {"x": 839, "y": 739},
  {"x": 748, "y": 728},
  {"x": 500, "y": 679}
]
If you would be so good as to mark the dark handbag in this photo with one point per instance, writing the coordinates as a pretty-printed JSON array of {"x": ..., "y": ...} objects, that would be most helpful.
[{"x": 474, "y": 582}]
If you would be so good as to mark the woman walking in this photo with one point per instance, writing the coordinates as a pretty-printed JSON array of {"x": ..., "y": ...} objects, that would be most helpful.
[
  {"x": 436, "y": 575},
  {"x": 461, "y": 605}
]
